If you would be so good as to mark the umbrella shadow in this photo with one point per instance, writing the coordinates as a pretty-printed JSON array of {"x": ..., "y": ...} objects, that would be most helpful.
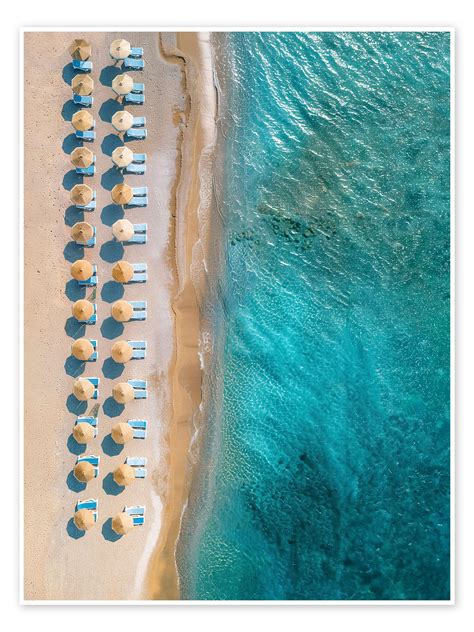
[
  {"x": 111, "y": 213},
  {"x": 109, "y": 446},
  {"x": 112, "y": 291},
  {"x": 108, "y": 109},
  {"x": 70, "y": 143},
  {"x": 69, "y": 109},
  {"x": 111, "y": 328},
  {"x": 75, "y": 406},
  {"x": 71, "y": 178},
  {"x": 112, "y": 408},
  {"x": 68, "y": 73},
  {"x": 111, "y": 142},
  {"x": 74, "y": 291},
  {"x": 75, "y": 485},
  {"x": 74, "y": 328},
  {"x": 110, "y": 178},
  {"x": 73, "y": 531},
  {"x": 74, "y": 447},
  {"x": 112, "y": 369},
  {"x": 74, "y": 367},
  {"x": 110, "y": 486},
  {"x": 112, "y": 251},
  {"x": 72, "y": 215},
  {"x": 108, "y": 74},
  {"x": 108, "y": 533},
  {"x": 73, "y": 251}
]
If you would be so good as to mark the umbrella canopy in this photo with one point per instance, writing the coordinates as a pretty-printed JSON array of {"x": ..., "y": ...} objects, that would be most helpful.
[
  {"x": 122, "y": 523},
  {"x": 122, "y": 84},
  {"x": 82, "y": 157},
  {"x": 81, "y": 194},
  {"x": 80, "y": 49},
  {"x": 121, "y": 352},
  {"x": 122, "y": 311},
  {"x": 84, "y": 519},
  {"x": 82, "y": 270},
  {"x": 82, "y": 309},
  {"x": 82, "y": 120},
  {"x": 123, "y": 393},
  {"x": 124, "y": 475},
  {"x": 122, "y": 121},
  {"x": 82, "y": 349},
  {"x": 122, "y": 272},
  {"x": 121, "y": 433},
  {"x": 83, "y": 85},
  {"x": 122, "y": 193},
  {"x": 119, "y": 49},
  {"x": 84, "y": 471},
  {"x": 83, "y": 389},
  {"x": 122, "y": 157},
  {"x": 123, "y": 230},
  {"x": 83, "y": 432},
  {"x": 81, "y": 232}
]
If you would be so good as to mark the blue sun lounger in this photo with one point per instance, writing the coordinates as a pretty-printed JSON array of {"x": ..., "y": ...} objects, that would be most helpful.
[
  {"x": 86, "y": 171},
  {"x": 136, "y": 134},
  {"x": 134, "y": 99},
  {"x": 138, "y": 88},
  {"x": 139, "y": 158},
  {"x": 140, "y": 274},
  {"x": 139, "y": 310},
  {"x": 139, "y": 349},
  {"x": 140, "y": 388},
  {"x": 139, "y": 236},
  {"x": 85, "y": 101},
  {"x": 83, "y": 66},
  {"x": 139, "y": 121},
  {"x": 93, "y": 460},
  {"x": 92, "y": 281},
  {"x": 139, "y": 427},
  {"x": 87, "y": 136},
  {"x": 88, "y": 420},
  {"x": 137, "y": 51},
  {"x": 136, "y": 461},
  {"x": 92, "y": 241},
  {"x": 138, "y": 514},
  {"x": 129, "y": 63},
  {"x": 138, "y": 170},
  {"x": 91, "y": 504}
]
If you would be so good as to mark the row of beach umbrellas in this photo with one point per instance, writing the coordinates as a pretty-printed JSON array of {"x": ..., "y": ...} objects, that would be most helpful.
[
  {"x": 82, "y": 194},
  {"x": 84, "y": 84},
  {"x": 83, "y": 310},
  {"x": 81, "y": 49},
  {"x": 121, "y": 433},
  {"x": 122, "y": 392},
  {"x": 121, "y": 524},
  {"x": 122, "y": 230},
  {"x": 83, "y": 157}
]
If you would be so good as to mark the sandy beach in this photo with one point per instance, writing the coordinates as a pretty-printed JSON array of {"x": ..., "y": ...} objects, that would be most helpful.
[{"x": 180, "y": 112}]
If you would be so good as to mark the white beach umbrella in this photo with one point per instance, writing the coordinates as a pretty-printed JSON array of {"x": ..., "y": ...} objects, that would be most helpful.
[{"x": 120, "y": 49}]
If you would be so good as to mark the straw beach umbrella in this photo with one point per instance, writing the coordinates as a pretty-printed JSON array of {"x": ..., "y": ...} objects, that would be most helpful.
[
  {"x": 122, "y": 84},
  {"x": 82, "y": 157},
  {"x": 81, "y": 270},
  {"x": 122, "y": 121},
  {"x": 121, "y": 352},
  {"x": 122, "y": 157},
  {"x": 83, "y": 432},
  {"x": 122, "y": 523},
  {"x": 84, "y": 519},
  {"x": 81, "y": 194},
  {"x": 82, "y": 120},
  {"x": 122, "y": 230},
  {"x": 123, "y": 393},
  {"x": 84, "y": 471},
  {"x": 124, "y": 475},
  {"x": 122, "y": 193},
  {"x": 119, "y": 49},
  {"x": 83, "y": 85},
  {"x": 122, "y": 272},
  {"x": 80, "y": 49},
  {"x": 82, "y": 309},
  {"x": 121, "y": 433},
  {"x": 82, "y": 349},
  {"x": 122, "y": 311},
  {"x": 82, "y": 232},
  {"x": 83, "y": 389}
]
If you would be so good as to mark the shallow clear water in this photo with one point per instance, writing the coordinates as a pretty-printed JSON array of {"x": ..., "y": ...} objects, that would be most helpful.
[{"x": 325, "y": 463}]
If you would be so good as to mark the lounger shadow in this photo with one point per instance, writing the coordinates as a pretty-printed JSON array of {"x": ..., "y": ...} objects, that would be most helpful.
[
  {"x": 108, "y": 109},
  {"x": 112, "y": 251},
  {"x": 111, "y": 328},
  {"x": 112, "y": 408},
  {"x": 74, "y": 367},
  {"x": 110, "y": 486},
  {"x": 108, "y": 533},
  {"x": 73, "y": 531},
  {"x": 112, "y": 291},
  {"x": 74, "y": 447},
  {"x": 112, "y": 369},
  {"x": 109, "y": 446}
]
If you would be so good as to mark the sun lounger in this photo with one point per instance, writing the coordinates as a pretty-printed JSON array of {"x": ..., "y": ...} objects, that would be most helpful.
[
  {"x": 140, "y": 191},
  {"x": 139, "y": 158},
  {"x": 140, "y": 274},
  {"x": 139, "y": 310},
  {"x": 140, "y": 388},
  {"x": 136, "y": 52},
  {"x": 139, "y": 427},
  {"x": 136, "y": 134},
  {"x": 86, "y": 171},
  {"x": 91, "y": 504},
  {"x": 93, "y": 279},
  {"x": 138, "y": 201},
  {"x": 139, "y": 121},
  {"x": 87, "y": 136},
  {"x": 136, "y": 461},
  {"x": 139, "y": 236},
  {"x": 129, "y": 63},
  {"x": 138, "y": 521},
  {"x": 139, "y": 349},
  {"x": 134, "y": 99},
  {"x": 140, "y": 472},
  {"x": 83, "y": 66},
  {"x": 138, "y": 88},
  {"x": 138, "y": 170},
  {"x": 136, "y": 510},
  {"x": 92, "y": 241},
  {"x": 85, "y": 101}
]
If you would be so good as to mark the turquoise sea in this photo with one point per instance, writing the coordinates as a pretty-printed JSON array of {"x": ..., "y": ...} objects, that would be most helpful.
[{"x": 325, "y": 451}]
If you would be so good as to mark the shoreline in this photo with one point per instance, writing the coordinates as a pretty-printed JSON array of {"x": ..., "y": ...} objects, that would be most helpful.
[{"x": 193, "y": 200}]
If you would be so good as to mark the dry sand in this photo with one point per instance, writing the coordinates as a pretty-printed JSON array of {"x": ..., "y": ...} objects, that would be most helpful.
[{"x": 59, "y": 565}]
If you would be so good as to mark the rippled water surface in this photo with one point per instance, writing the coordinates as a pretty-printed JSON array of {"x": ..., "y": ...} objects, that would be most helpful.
[{"x": 325, "y": 463}]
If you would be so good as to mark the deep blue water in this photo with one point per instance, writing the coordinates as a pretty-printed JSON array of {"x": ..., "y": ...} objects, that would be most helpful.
[{"x": 325, "y": 454}]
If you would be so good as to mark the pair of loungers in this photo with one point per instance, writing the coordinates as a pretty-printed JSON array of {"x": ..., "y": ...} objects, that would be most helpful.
[
  {"x": 138, "y": 463},
  {"x": 140, "y": 389},
  {"x": 140, "y": 197},
  {"x": 137, "y": 166},
  {"x": 137, "y": 512},
  {"x": 139, "y": 426},
  {"x": 136, "y": 96}
]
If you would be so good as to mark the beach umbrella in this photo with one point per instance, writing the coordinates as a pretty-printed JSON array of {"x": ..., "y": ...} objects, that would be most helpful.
[
  {"x": 84, "y": 471},
  {"x": 122, "y": 523},
  {"x": 121, "y": 433},
  {"x": 82, "y": 270},
  {"x": 83, "y": 432},
  {"x": 83, "y": 389},
  {"x": 124, "y": 475},
  {"x": 122, "y": 84},
  {"x": 82, "y": 157},
  {"x": 82, "y": 349},
  {"x": 122, "y": 121},
  {"x": 119, "y": 49},
  {"x": 82, "y": 120},
  {"x": 122, "y": 272},
  {"x": 121, "y": 352},
  {"x": 82, "y": 232},
  {"x": 122, "y": 311},
  {"x": 84, "y": 519},
  {"x": 82, "y": 309},
  {"x": 122, "y": 230},
  {"x": 122, "y": 193},
  {"x": 123, "y": 393},
  {"x": 81, "y": 194},
  {"x": 122, "y": 157},
  {"x": 83, "y": 85},
  {"x": 80, "y": 49}
]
